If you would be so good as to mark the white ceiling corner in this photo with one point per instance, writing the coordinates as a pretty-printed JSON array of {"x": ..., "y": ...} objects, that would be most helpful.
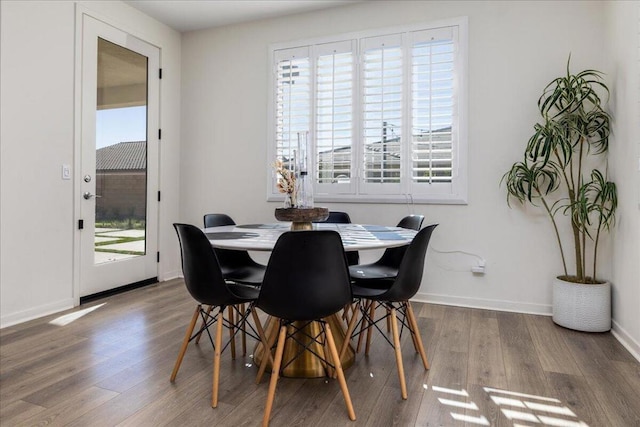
[{"x": 191, "y": 15}]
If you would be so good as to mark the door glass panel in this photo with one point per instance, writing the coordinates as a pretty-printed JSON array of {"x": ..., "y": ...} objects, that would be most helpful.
[{"x": 121, "y": 154}]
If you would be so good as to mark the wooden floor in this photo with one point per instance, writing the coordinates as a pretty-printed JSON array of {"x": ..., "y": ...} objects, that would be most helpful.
[{"x": 108, "y": 363}]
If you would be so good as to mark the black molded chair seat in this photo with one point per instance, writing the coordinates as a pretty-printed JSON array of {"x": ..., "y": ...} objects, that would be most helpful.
[
  {"x": 370, "y": 292},
  {"x": 372, "y": 272},
  {"x": 204, "y": 281},
  {"x": 246, "y": 274},
  {"x": 243, "y": 293},
  {"x": 237, "y": 266},
  {"x": 306, "y": 280},
  {"x": 394, "y": 298}
]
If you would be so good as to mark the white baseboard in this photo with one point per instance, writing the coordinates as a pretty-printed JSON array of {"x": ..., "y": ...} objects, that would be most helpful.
[
  {"x": 169, "y": 275},
  {"x": 626, "y": 340},
  {"x": 34, "y": 313},
  {"x": 485, "y": 304}
]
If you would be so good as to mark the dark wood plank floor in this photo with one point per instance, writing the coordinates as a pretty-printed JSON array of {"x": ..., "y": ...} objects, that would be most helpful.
[{"x": 108, "y": 363}]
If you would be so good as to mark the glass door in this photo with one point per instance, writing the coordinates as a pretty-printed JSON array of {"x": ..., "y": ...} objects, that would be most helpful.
[{"x": 119, "y": 159}]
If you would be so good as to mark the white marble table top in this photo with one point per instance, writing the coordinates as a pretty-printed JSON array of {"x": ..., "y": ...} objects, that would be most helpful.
[{"x": 263, "y": 237}]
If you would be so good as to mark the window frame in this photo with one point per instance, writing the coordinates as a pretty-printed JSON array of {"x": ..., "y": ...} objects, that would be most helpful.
[{"x": 356, "y": 191}]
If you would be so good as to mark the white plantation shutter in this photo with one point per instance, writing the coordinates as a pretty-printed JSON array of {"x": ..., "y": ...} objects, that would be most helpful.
[
  {"x": 433, "y": 110},
  {"x": 293, "y": 99},
  {"x": 385, "y": 112},
  {"x": 334, "y": 130},
  {"x": 382, "y": 106}
]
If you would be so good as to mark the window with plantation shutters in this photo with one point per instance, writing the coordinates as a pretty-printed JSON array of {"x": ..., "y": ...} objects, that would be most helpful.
[{"x": 384, "y": 110}]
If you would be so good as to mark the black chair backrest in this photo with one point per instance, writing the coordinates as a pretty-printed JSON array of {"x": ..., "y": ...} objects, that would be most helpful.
[
  {"x": 217, "y": 220},
  {"x": 412, "y": 222},
  {"x": 336, "y": 217},
  {"x": 229, "y": 259},
  {"x": 307, "y": 276},
  {"x": 411, "y": 269},
  {"x": 392, "y": 257},
  {"x": 200, "y": 267}
]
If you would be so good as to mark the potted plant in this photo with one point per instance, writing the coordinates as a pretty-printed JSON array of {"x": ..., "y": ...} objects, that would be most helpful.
[{"x": 558, "y": 174}]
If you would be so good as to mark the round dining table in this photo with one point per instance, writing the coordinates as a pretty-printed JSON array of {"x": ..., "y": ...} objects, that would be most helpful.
[
  {"x": 263, "y": 237},
  {"x": 297, "y": 362}
]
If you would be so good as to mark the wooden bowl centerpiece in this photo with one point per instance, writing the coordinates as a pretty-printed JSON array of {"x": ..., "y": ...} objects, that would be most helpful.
[{"x": 302, "y": 218}]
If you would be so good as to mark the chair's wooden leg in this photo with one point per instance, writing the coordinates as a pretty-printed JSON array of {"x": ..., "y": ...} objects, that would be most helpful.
[
  {"x": 372, "y": 314},
  {"x": 345, "y": 313},
  {"x": 216, "y": 359},
  {"x": 418, "y": 339},
  {"x": 364, "y": 323},
  {"x": 204, "y": 323},
  {"x": 396, "y": 344},
  {"x": 349, "y": 310},
  {"x": 275, "y": 372},
  {"x": 267, "y": 353},
  {"x": 328, "y": 355},
  {"x": 244, "y": 332},
  {"x": 338, "y": 366},
  {"x": 347, "y": 335},
  {"x": 232, "y": 331},
  {"x": 262, "y": 336},
  {"x": 185, "y": 343},
  {"x": 410, "y": 327},
  {"x": 388, "y": 321}
]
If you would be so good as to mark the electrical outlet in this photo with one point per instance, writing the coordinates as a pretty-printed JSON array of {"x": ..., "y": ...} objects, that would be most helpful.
[{"x": 479, "y": 268}]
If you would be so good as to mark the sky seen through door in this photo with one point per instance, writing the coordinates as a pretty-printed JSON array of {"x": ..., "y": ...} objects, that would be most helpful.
[{"x": 116, "y": 125}]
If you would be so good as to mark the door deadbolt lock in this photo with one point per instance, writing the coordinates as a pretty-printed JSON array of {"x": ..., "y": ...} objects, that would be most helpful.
[{"x": 87, "y": 178}]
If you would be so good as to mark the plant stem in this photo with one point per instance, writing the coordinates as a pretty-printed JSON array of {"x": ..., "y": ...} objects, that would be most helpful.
[
  {"x": 583, "y": 261},
  {"x": 595, "y": 249},
  {"x": 572, "y": 197},
  {"x": 555, "y": 227}
]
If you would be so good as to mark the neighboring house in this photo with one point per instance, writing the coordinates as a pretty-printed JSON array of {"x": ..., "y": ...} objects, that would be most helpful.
[
  {"x": 431, "y": 152},
  {"x": 121, "y": 181}
]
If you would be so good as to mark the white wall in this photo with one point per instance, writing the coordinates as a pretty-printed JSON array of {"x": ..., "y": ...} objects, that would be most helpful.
[
  {"x": 516, "y": 48},
  {"x": 36, "y": 136},
  {"x": 623, "y": 67},
  {"x": 37, "y": 233}
]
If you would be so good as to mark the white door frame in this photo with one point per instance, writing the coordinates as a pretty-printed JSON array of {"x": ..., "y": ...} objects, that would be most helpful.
[{"x": 83, "y": 13}]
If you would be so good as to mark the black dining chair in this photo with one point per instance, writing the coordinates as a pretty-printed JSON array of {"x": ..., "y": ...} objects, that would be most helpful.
[
  {"x": 337, "y": 217},
  {"x": 204, "y": 281},
  {"x": 375, "y": 275},
  {"x": 237, "y": 266},
  {"x": 394, "y": 298},
  {"x": 306, "y": 281},
  {"x": 369, "y": 275}
]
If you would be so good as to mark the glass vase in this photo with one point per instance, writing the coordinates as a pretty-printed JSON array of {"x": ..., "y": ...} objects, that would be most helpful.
[{"x": 288, "y": 203}]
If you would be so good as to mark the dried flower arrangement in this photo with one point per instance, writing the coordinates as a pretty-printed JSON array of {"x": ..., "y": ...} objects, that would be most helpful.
[{"x": 286, "y": 182}]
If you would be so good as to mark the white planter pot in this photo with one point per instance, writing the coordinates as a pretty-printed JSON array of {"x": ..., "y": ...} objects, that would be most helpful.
[{"x": 581, "y": 307}]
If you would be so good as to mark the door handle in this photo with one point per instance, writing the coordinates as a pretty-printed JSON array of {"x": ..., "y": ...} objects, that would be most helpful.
[{"x": 87, "y": 195}]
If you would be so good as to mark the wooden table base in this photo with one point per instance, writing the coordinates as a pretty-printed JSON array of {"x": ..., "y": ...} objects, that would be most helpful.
[{"x": 307, "y": 365}]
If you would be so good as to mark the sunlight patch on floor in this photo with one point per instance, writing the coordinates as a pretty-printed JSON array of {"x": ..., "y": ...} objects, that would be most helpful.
[
  {"x": 519, "y": 408},
  {"x": 68, "y": 318}
]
